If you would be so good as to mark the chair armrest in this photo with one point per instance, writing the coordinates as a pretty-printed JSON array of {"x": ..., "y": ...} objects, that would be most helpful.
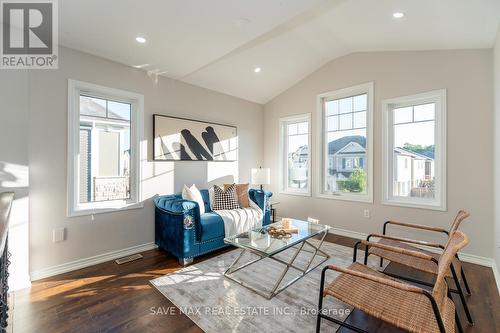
[
  {"x": 414, "y": 226},
  {"x": 395, "y": 249},
  {"x": 377, "y": 279},
  {"x": 406, "y": 240}
]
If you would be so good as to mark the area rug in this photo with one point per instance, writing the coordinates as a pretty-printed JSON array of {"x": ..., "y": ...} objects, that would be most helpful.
[{"x": 217, "y": 304}]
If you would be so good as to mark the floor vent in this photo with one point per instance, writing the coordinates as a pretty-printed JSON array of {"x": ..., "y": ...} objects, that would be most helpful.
[{"x": 128, "y": 259}]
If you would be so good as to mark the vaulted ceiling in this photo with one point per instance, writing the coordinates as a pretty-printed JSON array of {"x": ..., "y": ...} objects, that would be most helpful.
[{"x": 217, "y": 44}]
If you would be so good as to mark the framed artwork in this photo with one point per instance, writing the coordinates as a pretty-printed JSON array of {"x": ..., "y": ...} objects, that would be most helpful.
[{"x": 180, "y": 139}]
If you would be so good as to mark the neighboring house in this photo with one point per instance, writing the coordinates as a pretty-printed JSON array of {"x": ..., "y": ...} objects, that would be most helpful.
[
  {"x": 413, "y": 173},
  {"x": 345, "y": 155},
  {"x": 298, "y": 173},
  {"x": 104, "y": 154}
]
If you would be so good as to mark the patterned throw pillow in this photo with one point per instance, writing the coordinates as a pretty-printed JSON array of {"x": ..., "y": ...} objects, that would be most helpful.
[
  {"x": 225, "y": 199},
  {"x": 241, "y": 193}
]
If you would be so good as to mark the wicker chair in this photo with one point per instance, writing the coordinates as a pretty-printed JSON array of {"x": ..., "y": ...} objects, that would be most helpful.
[
  {"x": 403, "y": 305},
  {"x": 380, "y": 249}
]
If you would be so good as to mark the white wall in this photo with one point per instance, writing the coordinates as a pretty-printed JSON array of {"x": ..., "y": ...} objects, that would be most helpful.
[
  {"x": 496, "y": 65},
  {"x": 46, "y": 135},
  {"x": 14, "y": 168},
  {"x": 467, "y": 75}
]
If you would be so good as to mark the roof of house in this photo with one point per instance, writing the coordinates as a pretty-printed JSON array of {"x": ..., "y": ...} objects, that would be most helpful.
[
  {"x": 412, "y": 153},
  {"x": 351, "y": 148},
  {"x": 339, "y": 144},
  {"x": 356, "y": 144}
]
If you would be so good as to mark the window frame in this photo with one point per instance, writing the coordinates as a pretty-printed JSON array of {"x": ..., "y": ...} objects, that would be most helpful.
[
  {"x": 440, "y": 118},
  {"x": 75, "y": 89},
  {"x": 283, "y": 166},
  {"x": 322, "y": 150}
]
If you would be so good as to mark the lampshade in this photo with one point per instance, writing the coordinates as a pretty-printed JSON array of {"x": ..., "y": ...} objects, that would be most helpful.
[{"x": 261, "y": 176}]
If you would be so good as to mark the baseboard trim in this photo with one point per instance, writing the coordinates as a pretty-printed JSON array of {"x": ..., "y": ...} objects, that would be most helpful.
[
  {"x": 90, "y": 261},
  {"x": 466, "y": 257},
  {"x": 349, "y": 233}
]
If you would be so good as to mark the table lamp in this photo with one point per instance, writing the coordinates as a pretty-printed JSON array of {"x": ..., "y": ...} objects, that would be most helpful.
[{"x": 261, "y": 176}]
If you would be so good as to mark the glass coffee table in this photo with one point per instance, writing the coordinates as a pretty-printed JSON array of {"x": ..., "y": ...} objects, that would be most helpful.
[{"x": 261, "y": 243}]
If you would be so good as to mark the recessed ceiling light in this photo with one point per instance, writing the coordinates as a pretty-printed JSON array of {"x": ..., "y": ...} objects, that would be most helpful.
[
  {"x": 257, "y": 69},
  {"x": 141, "y": 40},
  {"x": 398, "y": 15}
]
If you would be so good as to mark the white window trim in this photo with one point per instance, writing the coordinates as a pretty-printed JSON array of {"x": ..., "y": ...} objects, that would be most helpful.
[
  {"x": 435, "y": 96},
  {"x": 321, "y": 149},
  {"x": 75, "y": 88},
  {"x": 283, "y": 173}
]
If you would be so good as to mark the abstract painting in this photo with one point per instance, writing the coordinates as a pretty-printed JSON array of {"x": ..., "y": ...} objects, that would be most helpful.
[{"x": 180, "y": 139}]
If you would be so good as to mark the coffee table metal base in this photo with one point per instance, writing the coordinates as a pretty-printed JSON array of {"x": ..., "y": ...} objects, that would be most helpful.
[{"x": 316, "y": 252}]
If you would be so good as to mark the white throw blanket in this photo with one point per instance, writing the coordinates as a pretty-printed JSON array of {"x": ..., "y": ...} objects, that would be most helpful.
[{"x": 241, "y": 220}]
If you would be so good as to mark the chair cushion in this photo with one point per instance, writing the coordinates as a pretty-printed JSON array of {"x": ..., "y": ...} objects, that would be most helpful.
[
  {"x": 409, "y": 311},
  {"x": 212, "y": 226},
  {"x": 406, "y": 260}
]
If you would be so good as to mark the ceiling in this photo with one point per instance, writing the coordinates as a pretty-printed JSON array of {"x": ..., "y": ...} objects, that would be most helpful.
[{"x": 216, "y": 44}]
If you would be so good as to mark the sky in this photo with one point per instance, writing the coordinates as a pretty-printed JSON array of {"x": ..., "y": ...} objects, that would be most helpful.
[{"x": 416, "y": 133}]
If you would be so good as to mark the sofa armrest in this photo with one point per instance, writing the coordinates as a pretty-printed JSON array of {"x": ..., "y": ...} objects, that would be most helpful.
[
  {"x": 177, "y": 225},
  {"x": 261, "y": 198},
  {"x": 171, "y": 204}
]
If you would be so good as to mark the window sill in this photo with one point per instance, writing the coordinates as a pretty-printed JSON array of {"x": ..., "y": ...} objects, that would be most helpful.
[
  {"x": 301, "y": 194},
  {"x": 404, "y": 204},
  {"x": 345, "y": 197},
  {"x": 104, "y": 210}
]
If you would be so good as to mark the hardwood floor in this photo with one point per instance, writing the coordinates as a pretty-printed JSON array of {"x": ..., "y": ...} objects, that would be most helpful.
[{"x": 118, "y": 298}]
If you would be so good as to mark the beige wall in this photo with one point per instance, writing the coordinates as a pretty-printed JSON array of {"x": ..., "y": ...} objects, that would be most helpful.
[
  {"x": 467, "y": 76},
  {"x": 496, "y": 65},
  {"x": 47, "y": 132},
  {"x": 39, "y": 141}
]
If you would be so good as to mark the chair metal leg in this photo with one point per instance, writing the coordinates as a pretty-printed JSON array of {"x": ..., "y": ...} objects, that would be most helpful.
[
  {"x": 320, "y": 301},
  {"x": 461, "y": 294},
  {"x": 462, "y": 273},
  {"x": 465, "y": 281},
  {"x": 458, "y": 322},
  {"x": 355, "y": 254},
  {"x": 437, "y": 314},
  {"x": 457, "y": 318}
]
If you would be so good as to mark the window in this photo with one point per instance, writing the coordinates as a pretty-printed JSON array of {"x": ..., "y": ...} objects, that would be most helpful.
[
  {"x": 414, "y": 151},
  {"x": 103, "y": 148},
  {"x": 345, "y": 149},
  {"x": 295, "y": 143}
]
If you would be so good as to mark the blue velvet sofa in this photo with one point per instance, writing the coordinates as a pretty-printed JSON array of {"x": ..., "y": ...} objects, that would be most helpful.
[{"x": 180, "y": 230}]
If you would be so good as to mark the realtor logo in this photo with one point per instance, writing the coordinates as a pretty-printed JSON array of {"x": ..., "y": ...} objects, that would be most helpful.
[{"x": 29, "y": 34}]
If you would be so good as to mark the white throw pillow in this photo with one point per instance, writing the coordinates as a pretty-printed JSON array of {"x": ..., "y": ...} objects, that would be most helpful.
[
  {"x": 193, "y": 194},
  {"x": 211, "y": 197},
  {"x": 198, "y": 198}
]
